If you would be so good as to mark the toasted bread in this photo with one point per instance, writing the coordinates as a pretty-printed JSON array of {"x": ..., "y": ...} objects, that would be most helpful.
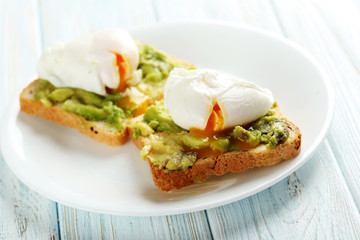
[
  {"x": 236, "y": 161},
  {"x": 97, "y": 130}
]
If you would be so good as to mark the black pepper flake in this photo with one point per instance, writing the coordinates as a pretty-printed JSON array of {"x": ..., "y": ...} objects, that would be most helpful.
[{"x": 91, "y": 128}]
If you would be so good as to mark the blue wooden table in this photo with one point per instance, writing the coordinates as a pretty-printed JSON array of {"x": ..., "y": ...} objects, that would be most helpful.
[{"x": 320, "y": 200}]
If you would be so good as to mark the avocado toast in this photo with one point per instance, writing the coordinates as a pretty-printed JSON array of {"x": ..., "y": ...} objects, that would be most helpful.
[{"x": 177, "y": 159}]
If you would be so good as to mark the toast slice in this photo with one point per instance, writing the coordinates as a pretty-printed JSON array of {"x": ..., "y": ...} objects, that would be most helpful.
[
  {"x": 235, "y": 161},
  {"x": 97, "y": 130}
]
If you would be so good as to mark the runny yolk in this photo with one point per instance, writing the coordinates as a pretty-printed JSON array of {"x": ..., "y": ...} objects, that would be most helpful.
[
  {"x": 141, "y": 109},
  {"x": 120, "y": 62},
  {"x": 213, "y": 128},
  {"x": 122, "y": 68},
  {"x": 126, "y": 102},
  {"x": 213, "y": 131},
  {"x": 214, "y": 124}
]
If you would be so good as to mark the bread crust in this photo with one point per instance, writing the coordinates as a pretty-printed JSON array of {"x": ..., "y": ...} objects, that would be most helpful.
[
  {"x": 238, "y": 161},
  {"x": 55, "y": 114}
]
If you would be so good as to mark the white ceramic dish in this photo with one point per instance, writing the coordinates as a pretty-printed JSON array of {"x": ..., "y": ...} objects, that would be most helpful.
[{"x": 74, "y": 170}]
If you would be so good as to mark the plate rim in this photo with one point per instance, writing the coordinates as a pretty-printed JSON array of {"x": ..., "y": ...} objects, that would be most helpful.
[{"x": 13, "y": 106}]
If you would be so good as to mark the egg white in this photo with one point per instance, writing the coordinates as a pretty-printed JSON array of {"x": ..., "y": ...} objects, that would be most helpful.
[
  {"x": 89, "y": 62},
  {"x": 190, "y": 95}
]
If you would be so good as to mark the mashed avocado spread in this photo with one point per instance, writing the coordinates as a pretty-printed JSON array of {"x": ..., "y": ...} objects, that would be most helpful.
[
  {"x": 154, "y": 67},
  {"x": 174, "y": 148},
  {"x": 86, "y": 104}
]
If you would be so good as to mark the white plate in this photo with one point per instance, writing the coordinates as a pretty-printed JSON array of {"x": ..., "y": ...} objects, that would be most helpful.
[{"x": 74, "y": 170}]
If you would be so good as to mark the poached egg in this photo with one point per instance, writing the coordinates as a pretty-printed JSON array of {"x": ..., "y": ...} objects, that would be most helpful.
[
  {"x": 98, "y": 60},
  {"x": 211, "y": 101}
]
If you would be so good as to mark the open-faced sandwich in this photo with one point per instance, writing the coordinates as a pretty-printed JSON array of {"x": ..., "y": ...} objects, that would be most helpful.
[
  {"x": 97, "y": 82},
  {"x": 210, "y": 124},
  {"x": 107, "y": 86}
]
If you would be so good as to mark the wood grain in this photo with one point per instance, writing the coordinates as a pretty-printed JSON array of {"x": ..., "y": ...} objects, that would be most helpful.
[
  {"x": 311, "y": 203},
  {"x": 77, "y": 224},
  {"x": 339, "y": 20},
  {"x": 23, "y": 213},
  {"x": 320, "y": 36}
]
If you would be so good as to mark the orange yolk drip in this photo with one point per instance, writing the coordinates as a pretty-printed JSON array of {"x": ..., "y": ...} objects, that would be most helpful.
[
  {"x": 213, "y": 126},
  {"x": 212, "y": 131},
  {"x": 141, "y": 109},
  {"x": 125, "y": 102},
  {"x": 120, "y": 62}
]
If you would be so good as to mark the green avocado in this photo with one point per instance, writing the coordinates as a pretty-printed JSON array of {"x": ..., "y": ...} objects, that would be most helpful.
[
  {"x": 44, "y": 90},
  {"x": 221, "y": 144},
  {"x": 90, "y": 112},
  {"x": 195, "y": 142},
  {"x": 167, "y": 152},
  {"x": 269, "y": 129},
  {"x": 274, "y": 130},
  {"x": 151, "y": 73},
  {"x": 154, "y": 64},
  {"x": 181, "y": 160},
  {"x": 155, "y": 67},
  {"x": 159, "y": 119},
  {"x": 143, "y": 129},
  {"x": 90, "y": 98},
  {"x": 61, "y": 94},
  {"x": 89, "y": 105},
  {"x": 251, "y": 137}
]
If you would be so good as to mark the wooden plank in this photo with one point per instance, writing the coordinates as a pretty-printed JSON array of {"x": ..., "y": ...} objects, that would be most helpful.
[
  {"x": 23, "y": 212},
  {"x": 340, "y": 20},
  {"x": 77, "y": 224},
  {"x": 321, "y": 37},
  {"x": 312, "y": 202}
]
